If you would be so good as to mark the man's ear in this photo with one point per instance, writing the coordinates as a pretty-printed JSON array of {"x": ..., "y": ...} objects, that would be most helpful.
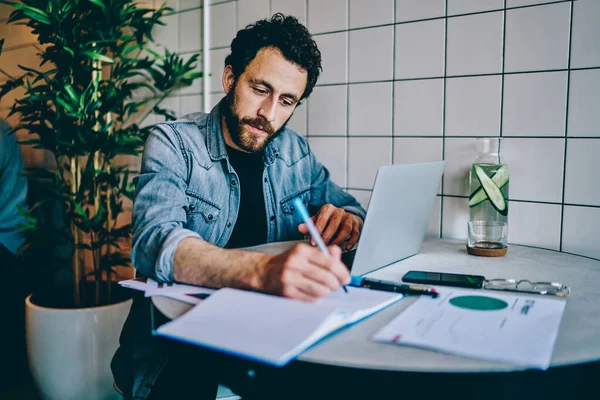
[{"x": 228, "y": 79}]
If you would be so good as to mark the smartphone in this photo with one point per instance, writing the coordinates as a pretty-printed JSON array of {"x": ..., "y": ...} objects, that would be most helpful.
[{"x": 444, "y": 279}]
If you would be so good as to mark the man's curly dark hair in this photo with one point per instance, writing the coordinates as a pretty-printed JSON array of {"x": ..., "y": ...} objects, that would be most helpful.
[{"x": 285, "y": 33}]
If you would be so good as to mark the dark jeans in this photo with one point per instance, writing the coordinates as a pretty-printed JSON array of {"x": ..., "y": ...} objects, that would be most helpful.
[
  {"x": 147, "y": 367},
  {"x": 12, "y": 297}
]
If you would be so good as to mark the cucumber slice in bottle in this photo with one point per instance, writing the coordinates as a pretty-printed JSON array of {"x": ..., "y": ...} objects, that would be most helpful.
[
  {"x": 492, "y": 191},
  {"x": 500, "y": 178}
]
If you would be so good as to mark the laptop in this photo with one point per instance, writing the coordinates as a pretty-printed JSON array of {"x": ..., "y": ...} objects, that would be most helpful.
[{"x": 397, "y": 216}]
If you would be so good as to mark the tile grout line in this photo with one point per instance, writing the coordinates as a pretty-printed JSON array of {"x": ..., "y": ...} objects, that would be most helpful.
[
  {"x": 347, "y": 72},
  {"x": 562, "y": 208},
  {"x": 444, "y": 115},
  {"x": 393, "y": 85}
]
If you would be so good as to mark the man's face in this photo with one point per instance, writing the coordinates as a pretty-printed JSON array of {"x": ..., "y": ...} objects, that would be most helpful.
[{"x": 261, "y": 100}]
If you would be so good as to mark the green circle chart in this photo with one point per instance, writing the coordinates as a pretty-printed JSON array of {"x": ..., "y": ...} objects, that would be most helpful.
[{"x": 479, "y": 303}]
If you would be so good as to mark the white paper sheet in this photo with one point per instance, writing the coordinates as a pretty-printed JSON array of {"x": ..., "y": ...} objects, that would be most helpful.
[
  {"x": 517, "y": 329},
  {"x": 269, "y": 328}
]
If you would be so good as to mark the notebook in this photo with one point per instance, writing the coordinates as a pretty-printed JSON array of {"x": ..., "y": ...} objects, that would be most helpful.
[
  {"x": 398, "y": 215},
  {"x": 271, "y": 329}
]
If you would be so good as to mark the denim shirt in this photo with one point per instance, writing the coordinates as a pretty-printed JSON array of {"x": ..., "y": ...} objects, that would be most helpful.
[{"x": 188, "y": 188}]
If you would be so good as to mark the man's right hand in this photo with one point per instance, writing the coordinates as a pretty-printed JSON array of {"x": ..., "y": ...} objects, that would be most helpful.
[{"x": 305, "y": 273}]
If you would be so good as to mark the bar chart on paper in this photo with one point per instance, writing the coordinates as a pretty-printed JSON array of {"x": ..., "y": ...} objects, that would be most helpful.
[{"x": 500, "y": 327}]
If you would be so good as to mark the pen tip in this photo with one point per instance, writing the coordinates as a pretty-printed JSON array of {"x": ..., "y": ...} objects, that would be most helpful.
[{"x": 344, "y": 287}]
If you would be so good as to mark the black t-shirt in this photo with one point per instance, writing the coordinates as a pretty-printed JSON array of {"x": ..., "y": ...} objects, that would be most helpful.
[{"x": 251, "y": 225}]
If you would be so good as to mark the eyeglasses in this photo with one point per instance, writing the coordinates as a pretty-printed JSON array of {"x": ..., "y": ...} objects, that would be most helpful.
[{"x": 526, "y": 286}]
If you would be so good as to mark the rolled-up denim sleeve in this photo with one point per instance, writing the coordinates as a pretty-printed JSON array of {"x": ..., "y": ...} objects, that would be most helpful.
[
  {"x": 158, "y": 207},
  {"x": 325, "y": 191}
]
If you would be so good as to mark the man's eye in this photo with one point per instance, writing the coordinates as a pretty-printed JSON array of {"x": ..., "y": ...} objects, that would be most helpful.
[{"x": 260, "y": 91}]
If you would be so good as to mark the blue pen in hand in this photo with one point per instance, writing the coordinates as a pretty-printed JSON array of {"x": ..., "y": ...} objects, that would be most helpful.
[{"x": 314, "y": 233}]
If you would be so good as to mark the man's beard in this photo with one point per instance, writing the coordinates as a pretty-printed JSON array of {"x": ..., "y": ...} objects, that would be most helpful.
[{"x": 240, "y": 132}]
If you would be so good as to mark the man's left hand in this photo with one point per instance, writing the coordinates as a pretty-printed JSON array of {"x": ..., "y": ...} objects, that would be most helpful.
[{"x": 336, "y": 226}]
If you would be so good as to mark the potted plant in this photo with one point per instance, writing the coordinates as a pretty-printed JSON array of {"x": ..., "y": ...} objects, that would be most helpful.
[{"x": 82, "y": 106}]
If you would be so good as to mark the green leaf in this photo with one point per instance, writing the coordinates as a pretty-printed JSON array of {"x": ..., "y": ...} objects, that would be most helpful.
[
  {"x": 64, "y": 105},
  {"x": 34, "y": 13},
  {"x": 97, "y": 56},
  {"x": 99, "y": 3},
  {"x": 71, "y": 92}
]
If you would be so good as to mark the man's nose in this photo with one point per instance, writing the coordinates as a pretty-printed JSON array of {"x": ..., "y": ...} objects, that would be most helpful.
[{"x": 268, "y": 109}]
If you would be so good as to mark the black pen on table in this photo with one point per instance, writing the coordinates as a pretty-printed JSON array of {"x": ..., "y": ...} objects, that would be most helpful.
[
  {"x": 312, "y": 228},
  {"x": 387, "y": 286}
]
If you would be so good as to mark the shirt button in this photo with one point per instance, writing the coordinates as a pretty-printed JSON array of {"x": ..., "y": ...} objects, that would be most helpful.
[
  {"x": 229, "y": 225},
  {"x": 272, "y": 218},
  {"x": 265, "y": 179},
  {"x": 210, "y": 217},
  {"x": 233, "y": 183},
  {"x": 292, "y": 209}
]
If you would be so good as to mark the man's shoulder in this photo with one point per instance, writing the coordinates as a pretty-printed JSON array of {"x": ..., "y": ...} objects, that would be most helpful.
[
  {"x": 187, "y": 126},
  {"x": 293, "y": 145}
]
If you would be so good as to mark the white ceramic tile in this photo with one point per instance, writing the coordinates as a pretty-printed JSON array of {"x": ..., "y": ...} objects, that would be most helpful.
[
  {"x": 585, "y": 47},
  {"x": 455, "y": 215},
  {"x": 190, "y": 104},
  {"x": 419, "y": 107},
  {"x": 362, "y": 196},
  {"x": 217, "y": 64},
  {"x": 459, "y": 155},
  {"x": 166, "y": 36},
  {"x": 190, "y": 30},
  {"x": 196, "y": 86},
  {"x": 475, "y": 44},
  {"x": 371, "y": 12},
  {"x": 472, "y": 6},
  {"x": 584, "y": 103},
  {"x": 410, "y": 10},
  {"x": 433, "y": 227},
  {"x": 223, "y": 25},
  {"x": 331, "y": 152},
  {"x": 214, "y": 99},
  {"x": 250, "y": 11},
  {"x": 535, "y": 104},
  {"x": 370, "y": 109},
  {"x": 415, "y": 150},
  {"x": 298, "y": 120},
  {"x": 334, "y": 52},
  {"x": 327, "y": 107},
  {"x": 580, "y": 231},
  {"x": 371, "y": 54},
  {"x": 186, "y": 4},
  {"x": 537, "y": 38},
  {"x": 582, "y": 185},
  {"x": 536, "y": 168},
  {"x": 365, "y": 156},
  {"x": 473, "y": 106},
  {"x": 420, "y": 49},
  {"x": 517, "y": 3},
  {"x": 534, "y": 224},
  {"x": 290, "y": 7},
  {"x": 327, "y": 16}
]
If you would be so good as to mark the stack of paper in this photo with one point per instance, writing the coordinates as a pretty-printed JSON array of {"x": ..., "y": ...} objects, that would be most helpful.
[
  {"x": 186, "y": 293},
  {"x": 518, "y": 329}
]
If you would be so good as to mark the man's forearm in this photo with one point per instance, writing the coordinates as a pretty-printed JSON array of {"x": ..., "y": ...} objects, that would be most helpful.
[{"x": 198, "y": 262}]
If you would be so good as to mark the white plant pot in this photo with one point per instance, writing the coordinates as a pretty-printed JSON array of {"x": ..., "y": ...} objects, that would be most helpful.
[{"x": 69, "y": 350}]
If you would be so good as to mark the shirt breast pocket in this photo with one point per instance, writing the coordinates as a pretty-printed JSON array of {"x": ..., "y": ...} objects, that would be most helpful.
[
  {"x": 202, "y": 215},
  {"x": 287, "y": 205}
]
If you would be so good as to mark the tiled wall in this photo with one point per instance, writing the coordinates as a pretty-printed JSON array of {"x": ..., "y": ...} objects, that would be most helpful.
[{"x": 419, "y": 80}]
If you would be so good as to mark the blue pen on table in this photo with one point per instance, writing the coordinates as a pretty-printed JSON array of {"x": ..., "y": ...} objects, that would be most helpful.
[
  {"x": 374, "y": 284},
  {"x": 314, "y": 233}
]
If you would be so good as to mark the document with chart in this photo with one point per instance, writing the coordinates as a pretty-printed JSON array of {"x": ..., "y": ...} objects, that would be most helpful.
[{"x": 518, "y": 329}]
